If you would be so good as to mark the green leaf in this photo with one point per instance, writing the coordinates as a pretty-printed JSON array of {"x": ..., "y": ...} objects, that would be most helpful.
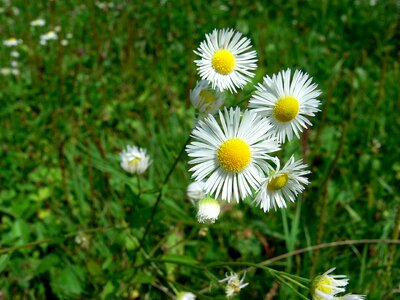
[{"x": 4, "y": 259}]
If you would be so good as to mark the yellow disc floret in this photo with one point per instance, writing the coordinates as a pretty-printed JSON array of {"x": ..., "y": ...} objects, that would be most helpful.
[
  {"x": 322, "y": 284},
  {"x": 223, "y": 61},
  {"x": 286, "y": 109},
  {"x": 208, "y": 100},
  {"x": 278, "y": 182},
  {"x": 234, "y": 155},
  {"x": 134, "y": 162}
]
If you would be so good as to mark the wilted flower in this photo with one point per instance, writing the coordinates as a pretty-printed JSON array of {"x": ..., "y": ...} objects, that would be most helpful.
[
  {"x": 233, "y": 284},
  {"x": 195, "y": 191}
]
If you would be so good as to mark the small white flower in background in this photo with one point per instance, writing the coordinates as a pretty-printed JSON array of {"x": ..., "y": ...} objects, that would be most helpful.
[
  {"x": 208, "y": 210},
  {"x": 50, "y": 36},
  {"x": 14, "y": 63},
  {"x": 286, "y": 102},
  {"x": 83, "y": 240},
  {"x": 57, "y": 28},
  {"x": 205, "y": 99},
  {"x": 351, "y": 297},
  {"x": 15, "y": 10},
  {"x": 233, "y": 284},
  {"x": 15, "y": 71},
  {"x": 12, "y": 42},
  {"x": 325, "y": 286},
  {"x": 195, "y": 191},
  {"x": 64, "y": 43},
  {"x": 14, "y": 54},
  {"x": 226, "y": 60},
  {"x": 134, "y": 160},
  {"x": 38, "y": 23},
  {"x": 229, "y": 156},
  {"x": 69, "y": 35},
  {"x": 5, "y": 71},
  {"x": 185, "y": 296},
  {"x": 282, "y": 184}
]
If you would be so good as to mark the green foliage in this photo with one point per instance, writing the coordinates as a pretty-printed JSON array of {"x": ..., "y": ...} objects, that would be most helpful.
[{"x": 73, "y": 222}]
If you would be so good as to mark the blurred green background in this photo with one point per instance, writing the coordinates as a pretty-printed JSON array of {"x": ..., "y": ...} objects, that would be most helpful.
[{"x": 120, "y": 73}]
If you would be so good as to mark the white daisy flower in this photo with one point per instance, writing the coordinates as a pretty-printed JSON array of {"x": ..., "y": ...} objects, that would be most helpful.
[
  {"x": 185, "y": 296},
  {"x": 12, "y": 42},
  {"x": 325, "y": 286},
  {"x": 286, "y": 102},
  {"x": 233, "y": 285},
  {"x": 38, "y": 23},
  {"x": 352, "y": 297},
  {"x": 5, "y": 71},
  {"x": 134, "y": 160},
  {"x": 205, "y": 99},
  {"x": 282, "y": 184},
  {"x": 195, "y": 191},
  {"x": 14, "y": 54},
  {"x": 49, "y": 36},
  {"x": 208, "y": 210},
  {"x": 230, "y": 156},
  {"x": 225, "y": 59}
]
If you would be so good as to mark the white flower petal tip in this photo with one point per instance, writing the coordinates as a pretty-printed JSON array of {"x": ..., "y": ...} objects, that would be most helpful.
[{"x": 195, "y": 191}]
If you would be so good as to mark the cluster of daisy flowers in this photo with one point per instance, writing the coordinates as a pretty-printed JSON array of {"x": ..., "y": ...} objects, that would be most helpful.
[{"x": 232, "y": 150}]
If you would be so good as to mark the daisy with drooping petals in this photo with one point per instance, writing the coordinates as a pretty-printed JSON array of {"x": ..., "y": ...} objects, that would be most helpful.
[
  {"x": 195, "y": 191},
  {"x": 225, "y": 59},
  {"x": 208, "y": 210},
  {"x": 282, "y": 184},
  {"x": 325, "y": 286},
  {"x": 231, "y": 156},
  {"x": 233, "y": 284},
  {"x": 134, "y": 160},
  {"x": 286, "y": 102},
  {"x": 205, "y": 99}
]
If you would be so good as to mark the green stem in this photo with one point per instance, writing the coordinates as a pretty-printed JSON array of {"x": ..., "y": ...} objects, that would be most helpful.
[{"x": 153, "y": 212}]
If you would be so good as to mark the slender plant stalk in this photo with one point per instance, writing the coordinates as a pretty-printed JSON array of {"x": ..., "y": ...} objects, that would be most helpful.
[{"x": 153, "y": 212}]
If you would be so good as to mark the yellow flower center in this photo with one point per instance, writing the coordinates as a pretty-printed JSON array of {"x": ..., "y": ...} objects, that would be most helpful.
[
  {"x": 286, "y": 109},
  {"x": 223, "y": 61},
  {"x": 278, "y": 182},
  {"x": 134, "y": 162},
  {"x": 323, "y": 284},
  {"x": 234, "y": 155},
  {"x": 208, "y": 100}
]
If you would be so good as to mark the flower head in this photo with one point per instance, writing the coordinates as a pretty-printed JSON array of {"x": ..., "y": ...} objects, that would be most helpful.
[
  {"x": 12, "y": 42},
  {"x": 325, "y": 286},
  {"x": 205, "y": 99},
  {"x": 50, "y": 36},
  {"x": 282, "y": 184},
  {"x": 134, "y": 160},
  {"x": 208, "y": 210},
  {"x": 38, "y": 23},
  {"x": 185, "y": 296},
  {"x": 230, "y": 156},
  {"x": 286, "y": 101},
  {"x": 225, "y": 59},
  {"x": 233, "y": 284},
  {"x": 195, "y": 191}
]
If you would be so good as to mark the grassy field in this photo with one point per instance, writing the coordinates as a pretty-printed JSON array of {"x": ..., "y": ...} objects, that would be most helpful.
[{"x": 73, "y": 222}]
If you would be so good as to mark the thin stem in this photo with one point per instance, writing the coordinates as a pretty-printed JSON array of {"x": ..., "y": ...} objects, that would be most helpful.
[{"x": 153, "y": 212}]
